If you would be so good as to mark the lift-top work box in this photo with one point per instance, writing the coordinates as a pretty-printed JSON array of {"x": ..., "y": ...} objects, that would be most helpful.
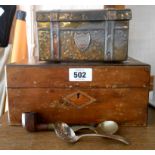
[{"x": 81, "y": 93}]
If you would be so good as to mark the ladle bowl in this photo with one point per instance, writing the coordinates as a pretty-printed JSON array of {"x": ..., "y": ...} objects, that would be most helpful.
[{"x": 66, "y": 133}]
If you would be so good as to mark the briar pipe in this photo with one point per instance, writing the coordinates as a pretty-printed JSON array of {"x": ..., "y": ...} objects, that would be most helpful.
[{"x": 29, "y": 122}]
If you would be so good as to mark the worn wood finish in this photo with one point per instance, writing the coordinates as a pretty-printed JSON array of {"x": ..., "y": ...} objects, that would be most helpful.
[
  {"x": 152, "y": 79},
  {"x": 114, "y": 7},
  {"x": 105, "y": 75},
  {"x": 117, "y": 92},
  {"x": 17, "y": 138},
  {"x": 115, "y": 104}
]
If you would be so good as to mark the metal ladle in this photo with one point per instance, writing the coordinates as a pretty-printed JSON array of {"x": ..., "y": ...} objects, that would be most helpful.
[
  {"x": 66, "y": 133},
  {"x": 108, "y": 127}
]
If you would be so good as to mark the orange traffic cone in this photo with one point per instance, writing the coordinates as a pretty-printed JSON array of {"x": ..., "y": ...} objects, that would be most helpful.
[{"x": 19, "y": 51}]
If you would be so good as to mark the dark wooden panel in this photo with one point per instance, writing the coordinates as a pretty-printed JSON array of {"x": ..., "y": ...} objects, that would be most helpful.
[
  {"x": 19, "y": 76},
  {"x": 126, "y": 106}
]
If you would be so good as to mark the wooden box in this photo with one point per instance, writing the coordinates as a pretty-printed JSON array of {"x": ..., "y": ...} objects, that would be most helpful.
[
  {"x": 90, "y": 35},
  {"x": 116, "y": 91}
]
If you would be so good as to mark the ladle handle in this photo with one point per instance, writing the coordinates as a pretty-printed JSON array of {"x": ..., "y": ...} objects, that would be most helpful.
[
  {"x": 115, "y": 137},
  {"x": 50, "y": 127},
  {"x": 76, "y": 128}
]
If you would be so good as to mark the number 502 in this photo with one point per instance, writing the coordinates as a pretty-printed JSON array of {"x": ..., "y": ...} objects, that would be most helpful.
[{"x": 79, "y": 74}]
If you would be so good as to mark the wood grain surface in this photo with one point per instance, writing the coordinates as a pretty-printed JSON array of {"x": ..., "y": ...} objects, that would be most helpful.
[
  {"x": 57, "y": 75},
  {"x": 17, "y": 138},
  {"x": 118, "y": 91},
  {"x": 125, "y": 106}
]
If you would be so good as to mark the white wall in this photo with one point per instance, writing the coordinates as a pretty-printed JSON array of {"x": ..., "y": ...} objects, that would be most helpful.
[
  {"x": 142, "y": 34},
  {"x": 142, "y": 37}
]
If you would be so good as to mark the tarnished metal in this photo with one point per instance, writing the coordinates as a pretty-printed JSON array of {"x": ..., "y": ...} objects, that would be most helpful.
[
  {"x": 100, "y": 35},
  {"x": 44, "y": 44},
  {"x": 109, "y": 36},
  {"x": 56, "y": 47},
  {"x": 82, "y": 40},
  {"x": 83, "y": 15}
]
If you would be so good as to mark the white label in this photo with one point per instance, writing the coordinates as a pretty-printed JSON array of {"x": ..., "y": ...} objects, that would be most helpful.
[{"x": 80, "y": 74}]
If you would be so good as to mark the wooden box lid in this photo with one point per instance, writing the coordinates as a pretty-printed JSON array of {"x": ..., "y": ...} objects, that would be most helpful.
[{"x": 130, "y": 73}]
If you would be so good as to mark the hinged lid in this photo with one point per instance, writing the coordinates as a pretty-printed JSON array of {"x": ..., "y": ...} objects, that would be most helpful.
[
  {"x": 83, "y": 15},
  {"x": 128, "y": 74}
]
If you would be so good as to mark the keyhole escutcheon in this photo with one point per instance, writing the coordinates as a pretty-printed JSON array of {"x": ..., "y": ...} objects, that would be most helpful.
[{"x": 78, "y": 95}]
